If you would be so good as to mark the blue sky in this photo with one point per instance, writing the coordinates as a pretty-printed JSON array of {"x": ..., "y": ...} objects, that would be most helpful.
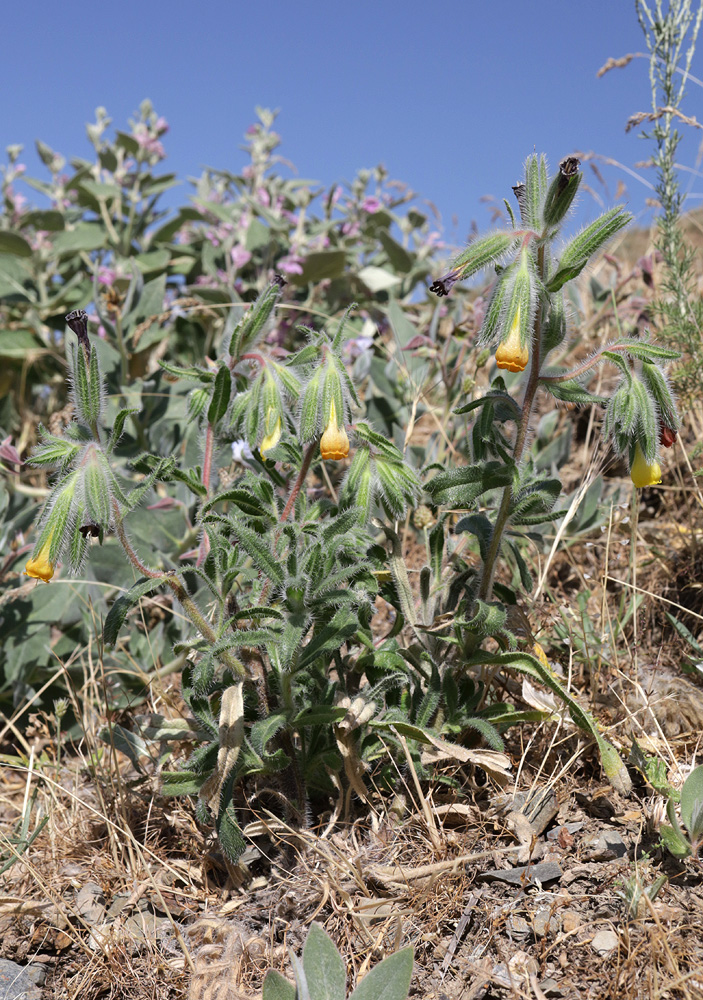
[{"x": 451, "y": 97}]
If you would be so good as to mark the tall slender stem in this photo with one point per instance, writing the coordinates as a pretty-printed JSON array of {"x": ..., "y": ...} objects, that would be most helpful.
[{"x": 485, "y": 591}]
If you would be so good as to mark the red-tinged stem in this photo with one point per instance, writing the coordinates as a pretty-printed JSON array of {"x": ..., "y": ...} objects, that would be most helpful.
[
  {"x": 297, "y": 485},
  {"x": 253, "y": 356}
]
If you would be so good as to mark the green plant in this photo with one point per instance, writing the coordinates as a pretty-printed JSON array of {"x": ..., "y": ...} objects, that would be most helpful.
[
  {"x": 668, "y": 29},
  {"x": 526, "y": 317},
  {"x": 321, "y": 974},
  {"x": 160, "y": 285},
  {"x": 683, "y": 843}
]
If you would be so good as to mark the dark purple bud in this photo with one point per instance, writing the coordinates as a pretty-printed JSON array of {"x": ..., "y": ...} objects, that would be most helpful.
[
  {"x": 279, "y": 280},
  {"x": 78, "y": 322}
]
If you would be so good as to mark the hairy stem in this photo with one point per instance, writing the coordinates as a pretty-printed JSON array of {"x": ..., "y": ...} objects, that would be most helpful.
[{"x": 485, "y": 591}]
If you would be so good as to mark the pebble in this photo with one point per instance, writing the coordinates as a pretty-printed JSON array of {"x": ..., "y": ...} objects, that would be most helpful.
[
  {"x": 545, "y": 920},
  {"x": 607, "y": 846},
  {"x": 604, "y": 942}
]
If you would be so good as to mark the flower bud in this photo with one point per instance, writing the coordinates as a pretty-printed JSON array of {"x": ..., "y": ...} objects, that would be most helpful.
[
  {"x": 273, "y": 431},
  {"x": 667, "y": 436}
]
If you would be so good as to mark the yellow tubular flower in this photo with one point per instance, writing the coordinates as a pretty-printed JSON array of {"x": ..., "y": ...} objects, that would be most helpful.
[
  {"x": 272, "y": 439},
  {"x": 334, "y": 442},
  {"x": 644, "y": 473},
  {"x": 39, "y": 566},
  {"x": 510, "y": 353}
]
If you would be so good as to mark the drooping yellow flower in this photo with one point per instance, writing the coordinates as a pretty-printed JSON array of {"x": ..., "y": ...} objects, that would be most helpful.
[
  {"x": 39, "y": 566},
  {"x": 334, "y": 443},
  {"x": 644, "y": 473},
  {"x": 271, "y": 440},
  {"x": 511, "y": 354}
]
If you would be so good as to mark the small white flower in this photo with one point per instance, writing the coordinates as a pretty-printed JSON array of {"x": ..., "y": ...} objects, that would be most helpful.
[{"x": 241, "y": 452}]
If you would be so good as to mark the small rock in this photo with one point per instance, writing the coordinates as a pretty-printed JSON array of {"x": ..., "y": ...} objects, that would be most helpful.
[
  {"x": 550, "y": 988},
  {"x": 518, "y": 927},
  {"x": 117, "y": 905},
  {"x": 544, "y": 921},
  {"x": 546, "y": 871},
  {"x": 604, "y": 942},
  {"x": 607, "y": 846},
  {"x": 569, "y": 827},
  {"x": 16, "y": 983},
  {"x": 90, "y": 902},
  {"x": 570, "y": 921}
]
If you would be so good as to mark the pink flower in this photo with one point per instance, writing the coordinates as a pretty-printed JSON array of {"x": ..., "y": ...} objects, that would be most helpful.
[
  {"x": 106, "y": 276},
  {"x": 336, "y": 194},
  {"x": 240, "y": 256},
  {"x": 351, "y": 229},
  {"x": 263, "y": 197},
  {"x": 161, "y": 125},
  {"x": 291, "y": 264},
  {"x": 371, "y": 205}
]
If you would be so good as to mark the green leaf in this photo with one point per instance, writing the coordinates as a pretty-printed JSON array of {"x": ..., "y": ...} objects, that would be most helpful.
[
  {"x": 221, "y": 391},
  {"x": 572, "y": 392},
  {"x": 182, "y": 782},
  {"x": 674, "y": 842},
  {"x": 128, "y": 743},
  {"x": 329, "y": 637},
  {"x": 399, "y": 257},
  {"x": 193, "y": 374},
  {"x": 86, "y": 236},
  {"x": 256, "y": 547},
  {"x": 389, "y": 980},
  {"x": 46, "y": 219},
  {"x": 487, "y": 249},
  {"x": 644, "y": 350},
  {"x": 378, "y": 279},
  {"x": 320, "y": 265},
  {"x": 277, "y": 987},
  {"x": 118, "y": 427},
  {"x": 319, "y": 715},
  {"x": 692, "y": 804},
  {"x": 247, "y": 502},
  {"x": 14, "y": 244},
  {"x": 124, "y": 603},
  {"x": 323, "y": 965},
  {"x": 228, "y": 830},
  {"x": 18, "y": 344}
]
